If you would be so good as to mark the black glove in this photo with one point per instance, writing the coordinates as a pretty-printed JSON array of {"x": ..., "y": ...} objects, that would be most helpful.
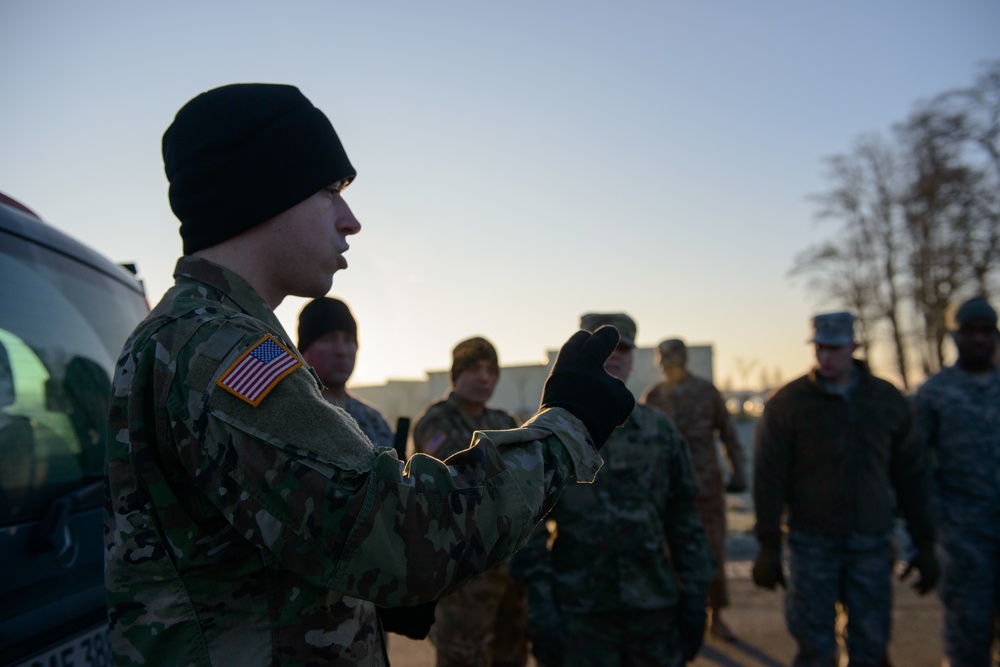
[
  {"x": 926, "y": 563},
  {"x": 545, "y": 627},
  {"x": 767, "y": 572},
  {"x": 413, "y": 622},
  {"x": 737, "y": 484},
  {"x": 579, "y": 383},
  {"x": 692, "y": 617}
]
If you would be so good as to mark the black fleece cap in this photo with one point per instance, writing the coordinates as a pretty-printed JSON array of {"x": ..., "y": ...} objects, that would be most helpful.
[
  {"x": 238, "y": 155},
  {"x": 321, "y": 316}
]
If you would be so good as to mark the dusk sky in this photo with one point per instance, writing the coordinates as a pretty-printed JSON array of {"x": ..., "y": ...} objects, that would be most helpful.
[{"x": 519, "y": 163}]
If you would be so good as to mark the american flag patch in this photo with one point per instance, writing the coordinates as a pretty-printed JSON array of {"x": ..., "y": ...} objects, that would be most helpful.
[
  {"x": 434, "y": 444},
  {"x": 259, "y": 370}
]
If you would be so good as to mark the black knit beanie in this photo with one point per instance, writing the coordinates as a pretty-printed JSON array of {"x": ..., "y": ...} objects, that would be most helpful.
[
  {"x": 469, "y": 353},
  {"x": 321, "y": 316},
  {"x": 239, "y": 155}
]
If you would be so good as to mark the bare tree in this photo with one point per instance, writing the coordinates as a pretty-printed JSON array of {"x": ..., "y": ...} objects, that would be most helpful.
[
  {"x": 861, "y": 269},
  {"x": 919, "y": 223}
]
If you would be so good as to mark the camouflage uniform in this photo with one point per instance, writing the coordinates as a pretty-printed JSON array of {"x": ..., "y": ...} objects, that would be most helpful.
[
  {"x": 482, "y": 623},
  {"x": 959, "y": 415},
  {"x": 833, "y": 460},
  {"x": 697, "y": 408},
  {"x": 235, "y": 533},
  {"x": 613, "y": 580},
  {"x": 369, "y": 419}
]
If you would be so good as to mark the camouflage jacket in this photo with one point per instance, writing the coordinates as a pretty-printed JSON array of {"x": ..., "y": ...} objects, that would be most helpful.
[
  {"x": 697, "y": 408},
  {"x": 839, "y": 466},
  {"x": 444, "y": 428},
  {"x": 607, "y": 549},
  {"x": 371, "y": 422},
  {"x": 234, "y": 527},
  {"x": 958, "y": 415}
]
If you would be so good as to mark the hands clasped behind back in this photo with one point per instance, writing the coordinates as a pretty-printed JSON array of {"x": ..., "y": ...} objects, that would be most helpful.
[{"x": 578, "y": 383}]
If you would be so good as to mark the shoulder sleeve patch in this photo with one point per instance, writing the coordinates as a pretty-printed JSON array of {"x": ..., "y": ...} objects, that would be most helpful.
[
  {"x": 258, "y": 370},
  {"x": 433, "y": 445}
]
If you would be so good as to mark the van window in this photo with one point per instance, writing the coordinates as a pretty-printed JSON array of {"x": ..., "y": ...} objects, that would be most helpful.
[{"x": 62, "y": 325}]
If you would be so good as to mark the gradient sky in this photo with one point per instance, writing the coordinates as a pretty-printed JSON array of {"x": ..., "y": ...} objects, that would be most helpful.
[{"x": 519, "y": 163}]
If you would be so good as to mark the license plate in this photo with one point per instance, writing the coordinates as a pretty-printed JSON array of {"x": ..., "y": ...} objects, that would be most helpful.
[{"x": 89, "y": 649}]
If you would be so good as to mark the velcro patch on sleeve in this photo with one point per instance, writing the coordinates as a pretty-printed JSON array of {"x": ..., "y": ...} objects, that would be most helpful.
[{"x": 259, "y": 370}]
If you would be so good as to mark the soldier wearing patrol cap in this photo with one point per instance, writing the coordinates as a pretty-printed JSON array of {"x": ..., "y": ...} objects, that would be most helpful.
[
  {"x": 958, "y": 412},
  {"x": 836, "y": 451},
  {"x": 697, "y": 408},
  {"x": 247, "y": 520},
  {"x": 602, "y": 590}
]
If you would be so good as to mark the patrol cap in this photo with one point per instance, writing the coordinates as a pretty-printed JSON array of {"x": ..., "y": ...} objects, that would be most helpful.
[
  {"x": 468, "y": 353},
  {"x": 625, "y": 324},
  {"x": 834, "y": 329},
  {"x": 238, "y": 155},
  {"x": 673, "y": 352},
  {"x": 321, "y": 316},
  {"x": 976, "y": 308}
]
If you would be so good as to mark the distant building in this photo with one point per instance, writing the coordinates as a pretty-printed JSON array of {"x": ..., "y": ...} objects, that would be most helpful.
[{"x": 520, "y": 387}]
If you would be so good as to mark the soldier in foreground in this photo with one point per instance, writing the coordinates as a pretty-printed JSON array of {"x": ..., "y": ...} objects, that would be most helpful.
[
  {"x": 482, "y": 623},
  {"x": 958, "y": 412},
  {"x": 241, "y": 506},
  {"x": 698, "y": 410},
  {"x": 835, "y": 448},
  {"x": 605, "y": 592}
]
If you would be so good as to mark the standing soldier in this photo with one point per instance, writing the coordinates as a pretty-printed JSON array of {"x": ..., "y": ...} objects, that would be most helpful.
[
  {"x": 958, "y": 411},
  {"x": 835, "y": 448},
  {"x": 482, "y": 623},
  {"x": 241, "y": 507},
  {"x": 602, "y": 588},
  {"x": 697, "y": 408},
  {"x": 328, "y": 341}
]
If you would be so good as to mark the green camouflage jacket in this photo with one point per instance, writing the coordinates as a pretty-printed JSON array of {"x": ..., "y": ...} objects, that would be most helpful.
[
  {"x": 444, "y": 428},
  {"x": 242, "y": 507},
  {"x": 609, "y": 548}
]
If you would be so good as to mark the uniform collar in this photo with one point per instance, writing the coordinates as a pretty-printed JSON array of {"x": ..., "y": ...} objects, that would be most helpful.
[{"x": 226, "y": 286}]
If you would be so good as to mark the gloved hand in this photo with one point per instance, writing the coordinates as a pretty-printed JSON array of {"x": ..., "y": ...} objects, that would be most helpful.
[
  {"x": 926, "y": 563},
  {"x": 545, "y": 626},
  {"x": 767, "y": 572},
  {"x": 692, "y": 617},
  {"x": 579, "y": 383},
  {"x": 737, "y": 484},
  {"x": 413, "y": 622}
]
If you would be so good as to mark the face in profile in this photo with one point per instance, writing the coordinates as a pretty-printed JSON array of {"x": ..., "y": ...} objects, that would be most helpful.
[{"x": 307, "y": 243}]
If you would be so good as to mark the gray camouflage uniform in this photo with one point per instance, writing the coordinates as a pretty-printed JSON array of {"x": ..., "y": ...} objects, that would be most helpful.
[
  {"x": 235, "y": 533},
  {"x": 959, "y": 415},
  {"x": 371, "y": 422}
]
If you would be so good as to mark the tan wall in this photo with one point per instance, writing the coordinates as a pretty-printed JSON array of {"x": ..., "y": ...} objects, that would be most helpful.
[{"x": 520, "y": 387}]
